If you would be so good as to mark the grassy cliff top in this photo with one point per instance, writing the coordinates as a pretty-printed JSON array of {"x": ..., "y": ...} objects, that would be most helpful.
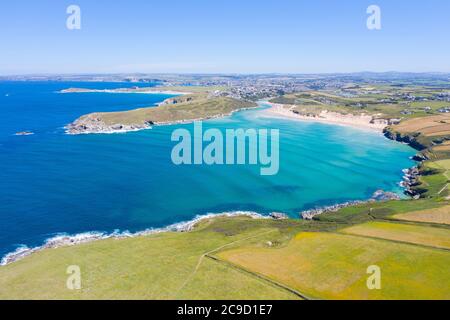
[
  {"x": 243, "y": 258},
  {"x": 189, "y": 107}
]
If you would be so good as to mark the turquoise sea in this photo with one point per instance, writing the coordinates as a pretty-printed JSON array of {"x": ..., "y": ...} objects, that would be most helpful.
[{"x": 53, "y": 183}]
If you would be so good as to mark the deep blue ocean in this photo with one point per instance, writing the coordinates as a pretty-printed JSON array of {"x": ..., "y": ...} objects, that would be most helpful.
[{"x": 53, "y": 183}]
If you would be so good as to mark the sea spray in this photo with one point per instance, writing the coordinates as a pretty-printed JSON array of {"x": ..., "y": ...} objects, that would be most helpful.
[{"x": 65, "y": 240}]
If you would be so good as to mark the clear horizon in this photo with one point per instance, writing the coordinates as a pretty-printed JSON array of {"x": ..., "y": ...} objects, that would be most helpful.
[
  {"x": 264, "y": 37},
  {"x": 219, "y": 73}
]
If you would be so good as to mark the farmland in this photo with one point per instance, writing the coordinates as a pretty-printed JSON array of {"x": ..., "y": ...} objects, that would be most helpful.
[
  {"x": 423, "y": 235},
  {"x": 439, "y": 215}
]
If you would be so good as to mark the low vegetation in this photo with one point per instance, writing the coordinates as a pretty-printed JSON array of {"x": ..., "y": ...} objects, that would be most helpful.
[
  {"x": 439, "y": 216},
  {"x": 422, "y": 235},
  {"x": 185, "y": 108},
  {"x": 334, "y": 266}
]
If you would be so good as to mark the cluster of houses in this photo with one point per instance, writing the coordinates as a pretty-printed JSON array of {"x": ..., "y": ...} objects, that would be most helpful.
[
  {"x": 444, "y": 96},
  {"x": 426, "y": 109},
  {"x": 444, "y": 110}
]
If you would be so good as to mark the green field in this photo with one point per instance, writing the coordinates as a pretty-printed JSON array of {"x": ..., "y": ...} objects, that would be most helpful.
[
  {"x": 332, "y": 266},
  {"x": 440, "y": 216},
  {"x": 422, "y": 235},
  {"x": 378, "y": 210},
  {"x": 243, "y": 258},
  {"x": 163, "y": 266},
  {"x": 435, "y": 179},
  {"x": 200, "y": 107}
]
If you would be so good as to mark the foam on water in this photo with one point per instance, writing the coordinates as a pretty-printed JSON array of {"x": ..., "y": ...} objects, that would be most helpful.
[{"x": 63, "y": 240}]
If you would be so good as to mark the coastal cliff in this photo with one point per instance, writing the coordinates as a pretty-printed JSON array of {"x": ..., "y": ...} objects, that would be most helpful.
[
  {"x": 184, "y": 109},
  {"x": 429, "y": 135},
  {"x": 411, "y": 139}
]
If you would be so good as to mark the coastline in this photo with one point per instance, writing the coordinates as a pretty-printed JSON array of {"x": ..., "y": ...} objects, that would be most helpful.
[
  {"x": 65, "y": 240},
  {"x": 101, "y": 128},
  {"x": 378, "y": 196},
  {"x": 366, "y": 122},
  {"x": 274, "y": 111},
  {"x": 124, "y": 90}
]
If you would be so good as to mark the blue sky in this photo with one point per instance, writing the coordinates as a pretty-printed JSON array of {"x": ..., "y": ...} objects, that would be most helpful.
[{"x": 245, "y": 36}]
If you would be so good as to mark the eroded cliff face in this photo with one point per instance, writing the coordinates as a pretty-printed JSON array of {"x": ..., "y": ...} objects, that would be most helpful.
[{"x": 411, "y": 139}]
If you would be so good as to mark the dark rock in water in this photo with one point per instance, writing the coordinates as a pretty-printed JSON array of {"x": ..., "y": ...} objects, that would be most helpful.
[
  {"x": 419, "y": 158},
  {"x": 410, "y": 180},
  {"x": 278, "y": 216},
  {"x": 381, "y": 195}
]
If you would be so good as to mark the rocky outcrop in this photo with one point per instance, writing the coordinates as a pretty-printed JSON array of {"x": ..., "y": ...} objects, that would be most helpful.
[
  {"x": 381, "y": 195},
  {"x": 378, "y": 196},
  {"x": 24, "y": 133},
  {"x": 410, "y": 181},
  {"x": 278, "y": 216},
  {"x": 410, "y": 139},
  {"x": 92, "y": 124}
]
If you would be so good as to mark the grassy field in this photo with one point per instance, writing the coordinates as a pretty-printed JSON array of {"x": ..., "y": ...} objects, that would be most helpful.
[
  {"x": 389, "y": 103},
  {"x": 439, "y": 215},
  {"x": 199, "y": 107},
  {"x": 435, "y": 179},
  {"x": 437, "y": 125},
  {"x": 423, "y": 235},
  {"x": 163, "y": 266},
  {"x": 430, "y": 134},
  {"x": 333, "y": 266},
  {"x": 242, "y": 258},
  {"x": 378, "y": 210},
  {"x": 445, "y": 147}
]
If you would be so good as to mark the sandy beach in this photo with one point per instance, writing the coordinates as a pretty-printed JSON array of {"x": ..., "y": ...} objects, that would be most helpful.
[{"x": 359, "y": 121}]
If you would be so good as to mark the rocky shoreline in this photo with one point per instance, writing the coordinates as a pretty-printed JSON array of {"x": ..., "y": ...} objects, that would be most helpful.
[
  {"x": 378, "y": 196},
  {"x": 87, "y": 237},
  {"x": 410, "y": 180},
  {"x": 150, "y": 90},
  {"x": 407, "y": 139},
  {"x": 92, "y": 124},
  {"x": 412, "y": 175}
]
